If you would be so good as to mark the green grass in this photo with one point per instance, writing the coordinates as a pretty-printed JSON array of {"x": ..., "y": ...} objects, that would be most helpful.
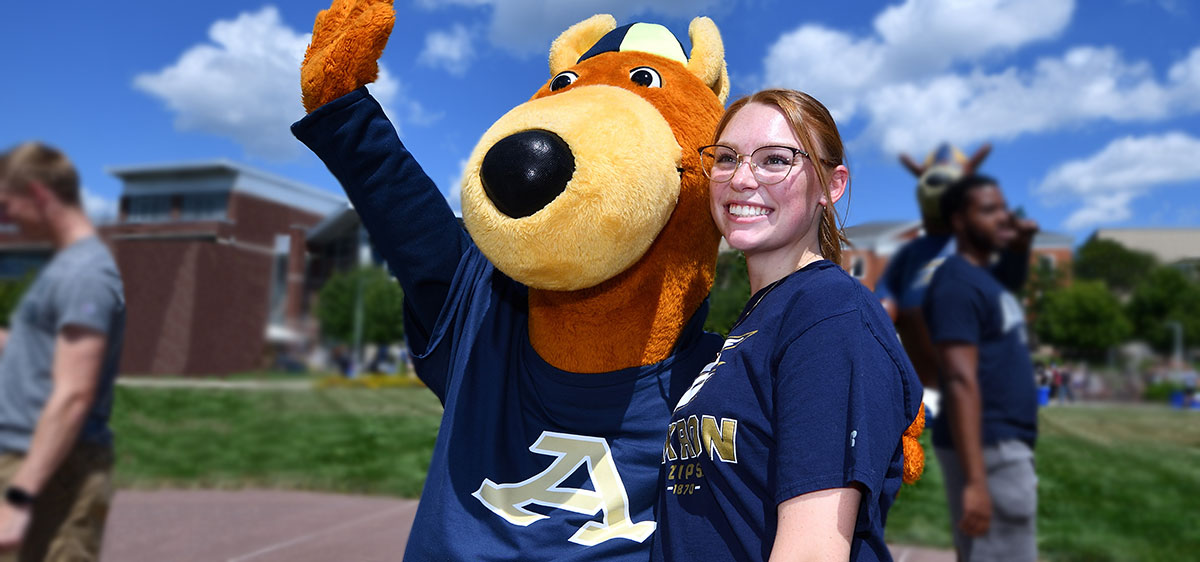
[
  {"x": 344, "y": 440},
  {"x": 1115, "y": 483}
]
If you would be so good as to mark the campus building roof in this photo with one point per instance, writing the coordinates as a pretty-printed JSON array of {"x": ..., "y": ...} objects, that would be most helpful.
[{"x": 222, "y": 176}]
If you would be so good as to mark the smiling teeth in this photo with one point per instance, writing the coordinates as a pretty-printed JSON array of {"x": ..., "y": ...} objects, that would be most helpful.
[{"x": 747, "y": 211}]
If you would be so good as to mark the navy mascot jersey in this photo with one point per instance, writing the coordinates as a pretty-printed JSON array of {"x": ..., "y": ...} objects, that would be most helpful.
[
  {"x": 810, "y": 391},
  {"x": 531, "y": 462}
]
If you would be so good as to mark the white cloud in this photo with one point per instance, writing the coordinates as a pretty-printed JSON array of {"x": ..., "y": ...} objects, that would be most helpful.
[
  {"x": 906, "y": 79},
  {"x": 244, "y": 84},
  {"x": 528, "y": 26},
  {"x": 1086, "y": 84},
  {"x": 454, "y": 196},
  {"x": 1130, "y": 167},
  {"x": 912, "y": 41},
  {"x": 450, "y": 50},
  {"x": 99, "y": 209}
]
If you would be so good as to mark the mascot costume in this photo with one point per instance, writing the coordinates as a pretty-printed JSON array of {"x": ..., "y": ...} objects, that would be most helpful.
[
  {"x": 561, "y": 332},
  {"x": 902, "y": 286}
]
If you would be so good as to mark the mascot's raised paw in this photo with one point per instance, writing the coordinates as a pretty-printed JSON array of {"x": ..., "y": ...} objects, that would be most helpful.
[{"x": 343, "y": 55}]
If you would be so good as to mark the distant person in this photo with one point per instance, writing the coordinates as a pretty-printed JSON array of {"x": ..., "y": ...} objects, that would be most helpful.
[
  {"x": 1056, "y": 382},
  {"x": 985, "y": 435},
  {"x": 1065, "y": 378},
  {"x": 1189, "y": 387},
  {"x": 57, "y": 370},
  {"x": 1079, "y": 381},
  {"x": 902, "y": 287},
  {"x": 342, "y": 361}
]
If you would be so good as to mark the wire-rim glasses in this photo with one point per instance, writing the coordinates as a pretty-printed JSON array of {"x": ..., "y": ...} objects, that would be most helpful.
[{"x": 769, "y": 164}]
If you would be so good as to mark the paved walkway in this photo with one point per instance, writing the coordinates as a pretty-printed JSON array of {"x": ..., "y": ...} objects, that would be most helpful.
[
  {"x": 268, "y": 526},
  {"x": 263, "y": 526},
  {"x": 215, "y": 384}
]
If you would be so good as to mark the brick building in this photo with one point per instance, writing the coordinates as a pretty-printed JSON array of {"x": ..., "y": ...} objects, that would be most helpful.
[
  {"x": 873, "y": 244},
  {"x": 213, "y": 255}
]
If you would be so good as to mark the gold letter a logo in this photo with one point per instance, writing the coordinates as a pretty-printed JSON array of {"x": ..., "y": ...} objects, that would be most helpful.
[{"x": 571, "y": 451}]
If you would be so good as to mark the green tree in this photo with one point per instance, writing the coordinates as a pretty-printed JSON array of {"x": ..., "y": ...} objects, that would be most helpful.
[
  {"x": 1120, "y": 268},
  {"x": 383, "y": 309},
  {"x": 10, "y": 294},
  {"x": 1165, "y": 295},
  {"x": 731, "y": 290},
  {"x": 1043, "y": 280},
  {"x": 1083, "y": 319}
]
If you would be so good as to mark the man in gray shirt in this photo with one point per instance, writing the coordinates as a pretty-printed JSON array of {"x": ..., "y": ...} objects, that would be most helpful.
[{"x": 57, "y": 368}]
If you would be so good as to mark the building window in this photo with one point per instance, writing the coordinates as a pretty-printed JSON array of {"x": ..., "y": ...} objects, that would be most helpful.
[
  {"x": 858, "y": 267},
  {"x": 203, "y": 206},
  {"x": 149, "y": 208},
  {"x": 20, "y": 264},
  {"x": 279, "y": 279},
  {"x": 1046, "y": 262}
]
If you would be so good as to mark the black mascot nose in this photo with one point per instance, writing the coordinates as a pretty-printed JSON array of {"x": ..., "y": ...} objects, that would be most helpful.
[{"x": 524, "y": 172}]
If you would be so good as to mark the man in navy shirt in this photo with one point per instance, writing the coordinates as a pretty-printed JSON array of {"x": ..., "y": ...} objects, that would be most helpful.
[
  {"x": 902, "y": 287},
  {"x": 985, "y": 438}
]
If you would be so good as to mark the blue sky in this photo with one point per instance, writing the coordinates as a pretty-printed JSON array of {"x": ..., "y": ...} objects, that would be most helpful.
[{"x": 1093, "y": 108}]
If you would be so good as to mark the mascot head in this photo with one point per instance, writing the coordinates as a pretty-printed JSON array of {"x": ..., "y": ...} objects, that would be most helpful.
[
  {"x": 574, "y": 187},
  {"x": 942, "y": 167}
]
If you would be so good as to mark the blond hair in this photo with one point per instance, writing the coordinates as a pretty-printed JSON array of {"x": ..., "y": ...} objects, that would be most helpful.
[
  {"x": 33, "y": 161},
  {"x": 819, "y": 137}
]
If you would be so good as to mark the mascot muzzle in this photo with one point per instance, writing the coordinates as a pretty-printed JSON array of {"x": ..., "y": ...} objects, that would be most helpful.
[{"x": 567, "y": 191}]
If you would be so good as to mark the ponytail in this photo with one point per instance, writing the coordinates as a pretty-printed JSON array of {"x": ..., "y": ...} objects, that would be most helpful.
[{"x": 830, "y": 236}]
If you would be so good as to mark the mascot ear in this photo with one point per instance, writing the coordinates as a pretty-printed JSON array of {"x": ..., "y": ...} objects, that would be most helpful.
[
  {"x": 708, "y": 57},
  {"x": 977, "y": 159},
  {"x": 577, "y": 39},
  {"x": 917, "y": 170}
]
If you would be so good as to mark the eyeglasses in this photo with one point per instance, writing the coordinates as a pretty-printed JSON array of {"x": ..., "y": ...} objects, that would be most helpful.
[{"x": 770, "y": 164}]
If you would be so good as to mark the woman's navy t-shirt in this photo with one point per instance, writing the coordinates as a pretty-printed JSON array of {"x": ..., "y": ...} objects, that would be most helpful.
[{"x": 811, "y": 391}]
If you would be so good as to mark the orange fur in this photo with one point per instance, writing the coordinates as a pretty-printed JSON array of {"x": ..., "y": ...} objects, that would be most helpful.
[
  {"x": 636, "y": 317},
  {"x": 914, "y": 455},
  {"x": 347, "y": 41}
]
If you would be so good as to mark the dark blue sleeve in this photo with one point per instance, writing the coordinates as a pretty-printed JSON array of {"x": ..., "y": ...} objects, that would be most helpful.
[
  {"x": 410, "y": 224},
  {"x": 1011, "y": 270},
  {"x": 888, "y": 286},
  {"x": 953, "y": 308},
  {"x": 839, "y": 412}
]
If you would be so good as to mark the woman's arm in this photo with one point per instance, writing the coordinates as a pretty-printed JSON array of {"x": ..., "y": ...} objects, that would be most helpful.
[{"x": 817, "y": 525}]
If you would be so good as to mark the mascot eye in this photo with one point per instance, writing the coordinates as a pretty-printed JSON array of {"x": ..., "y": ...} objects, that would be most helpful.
[
  {"x": 646, "y": 76},
  {"x": 564, "y": 79}
]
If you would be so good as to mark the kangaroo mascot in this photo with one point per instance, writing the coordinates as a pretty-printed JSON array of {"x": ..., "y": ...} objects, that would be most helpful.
[{"x": 902, "y": 286}]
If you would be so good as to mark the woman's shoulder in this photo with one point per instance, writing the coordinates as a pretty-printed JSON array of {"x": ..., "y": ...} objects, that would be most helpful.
[{"x": 820, "y": 292}]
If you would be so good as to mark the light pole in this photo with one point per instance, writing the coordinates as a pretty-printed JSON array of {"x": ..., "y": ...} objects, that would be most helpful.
[
  {"x": 364, "y": 257},
  {"x": 1177, "y": 354}
]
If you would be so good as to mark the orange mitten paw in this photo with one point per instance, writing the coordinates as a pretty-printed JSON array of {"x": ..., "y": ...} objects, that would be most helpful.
[
  {"x": 914, "y": 455},
  {"x": 343, "y": 55}
]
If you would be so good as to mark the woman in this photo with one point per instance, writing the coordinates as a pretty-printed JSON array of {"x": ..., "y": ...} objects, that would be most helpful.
[{"x": 788, "y": 445}]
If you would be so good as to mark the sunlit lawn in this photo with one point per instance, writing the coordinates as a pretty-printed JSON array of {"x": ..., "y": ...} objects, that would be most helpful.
[
  {"x": 345, "y": 440},
  {"x": 1116, "y": 483}
]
